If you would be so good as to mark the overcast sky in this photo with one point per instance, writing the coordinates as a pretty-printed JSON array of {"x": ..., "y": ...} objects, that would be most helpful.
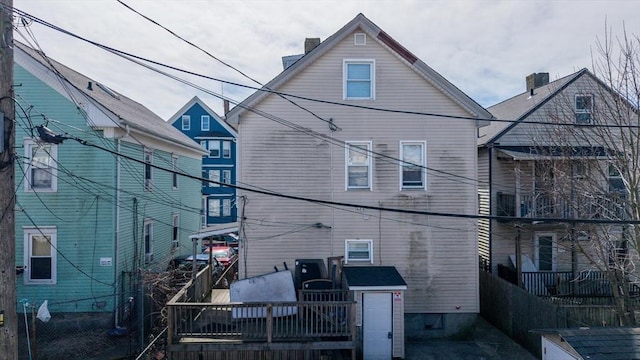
[{"x": 485, "y": 48}]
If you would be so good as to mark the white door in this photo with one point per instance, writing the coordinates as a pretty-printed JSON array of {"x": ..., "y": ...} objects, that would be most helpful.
[{"x": 376, "y": 326}]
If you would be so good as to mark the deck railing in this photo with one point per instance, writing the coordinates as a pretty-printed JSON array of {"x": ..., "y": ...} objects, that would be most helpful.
[
  {"x": 264, "y": 321},
  {"x": 541, "y": 205}
]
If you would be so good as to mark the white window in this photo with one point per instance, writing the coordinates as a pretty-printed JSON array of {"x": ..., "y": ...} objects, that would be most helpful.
[
  {"x": 358, "y": 165},
  {"x": 584, "y": 108},
  {"x": 214, "y": 207},
  {"x": 413, "y": 174},
  {"x": 358, "y": 251},
  {"x": 226, "y": 176},
  {"x": 41, "y": 166},
  {"x": 186, "y": 122},
  {"x": 175, "y": 220},
  {"x": 147, "y": 235},
  {"x": 359, "y": 79},
  {"x": 214, "y": 148},
  {"x": 226, "y": 207},
  {"x": 614, "y": 178},
  {"x": 40, "y": 255},
  {"x": 148, "y": 170},
  {"x": 204, "y": 122},
  {"x": 174, "y": 175},
  {"x": 214, "y": 176},
  {"x": 203, "y": 143},
  {"x": 226, "y": 149}
]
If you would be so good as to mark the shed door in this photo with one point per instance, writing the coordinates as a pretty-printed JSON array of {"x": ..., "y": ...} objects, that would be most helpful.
[{"x": 377, "y": 325}]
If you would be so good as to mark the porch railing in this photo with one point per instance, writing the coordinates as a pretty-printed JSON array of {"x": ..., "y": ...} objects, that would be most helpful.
[
  {"x": 563, "y": 283},
  {"x": 541, "y": 205}
]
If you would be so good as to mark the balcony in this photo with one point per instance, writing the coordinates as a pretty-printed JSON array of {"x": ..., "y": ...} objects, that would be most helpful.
[{"x": 540, "y": 205}]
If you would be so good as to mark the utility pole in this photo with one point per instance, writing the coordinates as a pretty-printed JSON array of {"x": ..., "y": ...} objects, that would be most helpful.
[{"x": 8, "y": 312}]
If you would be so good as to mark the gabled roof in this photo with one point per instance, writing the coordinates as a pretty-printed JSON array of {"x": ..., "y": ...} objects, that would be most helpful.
[
  {"x": 607, "y": 343},
  {"x": 361, "y": 23},
  {"x": 518, "y": 108},
  {"x": 121, "y": 111},
  {"x": 196, "y": 100}
]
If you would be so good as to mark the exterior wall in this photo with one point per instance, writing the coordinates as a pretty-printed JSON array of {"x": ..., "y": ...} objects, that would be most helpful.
[
  {"x": 484, "y": 203},
  {"x": 436, "y": 255},
  {"x": 81, "y": 211},
  {"x": 217, "y": 131},
  {"x": 93, "y": 220}
]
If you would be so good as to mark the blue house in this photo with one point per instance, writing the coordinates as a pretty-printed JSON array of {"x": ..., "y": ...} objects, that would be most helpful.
[
  {"x": 204, "y": 126},
  {"x": 102, "y": 201}
]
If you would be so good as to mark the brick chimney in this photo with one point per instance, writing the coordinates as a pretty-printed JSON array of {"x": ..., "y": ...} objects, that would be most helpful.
[
  {"x": 310, "y": 44},
  {"x": 536, "y": 80}
]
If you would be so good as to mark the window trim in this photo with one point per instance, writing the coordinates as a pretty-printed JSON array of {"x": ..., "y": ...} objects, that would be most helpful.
[
  {"x": 211, "y": 201},
  {"x": 210, "y": 147},
  {"x": 369, "y": 243},
  {"x": 175, "y": 230},
  {"x": 202, "y": 122},
  {"x": 174, "y": 174},
  {"x": 423, "y": 144},
  {"x": 372, "y": 78},
  {"x": 214, "y": 175},
  {"x": 147, "y": 237},
  {"x": 347, "y": 165},
  {"x": 226, "y": 176},
  {"x": 580, "y": 112},
  {"x": 29, "y": 144},
  {"x": 28, "y": 232},
  {"x": 226, "y": 207},
  {"x": 186, "y": 122},
  {"x": 148, "y": 169},
  {"x": 226, "y": 153}
]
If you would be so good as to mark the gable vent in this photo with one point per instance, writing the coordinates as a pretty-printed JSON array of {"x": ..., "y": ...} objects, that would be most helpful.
[{"x": 360, "y": 39}]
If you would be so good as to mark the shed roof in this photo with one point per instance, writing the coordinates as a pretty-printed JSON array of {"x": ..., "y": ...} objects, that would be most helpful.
[
  {"x": 373, "y": 278},
  {"x": 606, "y": 343}
]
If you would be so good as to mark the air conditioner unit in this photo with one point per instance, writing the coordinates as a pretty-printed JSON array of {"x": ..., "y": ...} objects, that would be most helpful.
[{"x": 148, "y": 258}]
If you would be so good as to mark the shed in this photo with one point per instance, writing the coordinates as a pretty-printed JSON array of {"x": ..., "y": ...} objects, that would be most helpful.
[
  {"x": 605, "y": 343},
  {"x": 379, "y": 295}
]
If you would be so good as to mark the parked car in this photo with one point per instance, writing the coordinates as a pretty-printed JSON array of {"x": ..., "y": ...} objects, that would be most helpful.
[
  {"x": 224, "y": 254},
  {"x": 183, "y": 265}
]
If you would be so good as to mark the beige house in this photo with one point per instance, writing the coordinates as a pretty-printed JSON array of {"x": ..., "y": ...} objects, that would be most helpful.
[
  {"x": 360, "y": 120},
  {"x": 556, "y": 183}
]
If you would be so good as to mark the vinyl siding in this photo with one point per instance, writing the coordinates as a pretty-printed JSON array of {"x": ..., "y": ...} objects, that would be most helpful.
[{"x": 437, "y": 256}]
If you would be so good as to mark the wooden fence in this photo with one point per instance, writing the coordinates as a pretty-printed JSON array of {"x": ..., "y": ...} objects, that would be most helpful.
[{"x": 515, "y": 311}]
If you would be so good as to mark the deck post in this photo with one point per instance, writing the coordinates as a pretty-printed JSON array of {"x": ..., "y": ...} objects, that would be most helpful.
[{"x": 269, "y": 322}]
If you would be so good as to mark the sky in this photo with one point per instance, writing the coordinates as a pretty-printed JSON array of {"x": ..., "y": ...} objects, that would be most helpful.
[{"x": 485, "y": 48}]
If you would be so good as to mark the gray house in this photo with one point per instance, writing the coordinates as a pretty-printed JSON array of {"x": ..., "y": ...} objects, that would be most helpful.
[{"x": 335, "y": 144}]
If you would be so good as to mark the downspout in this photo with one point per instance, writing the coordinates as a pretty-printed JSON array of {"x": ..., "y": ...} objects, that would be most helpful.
[{"x": 490, "y": 207}]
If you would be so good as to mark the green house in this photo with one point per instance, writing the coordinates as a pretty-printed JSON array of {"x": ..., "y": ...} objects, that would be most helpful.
[{"x": 101, "y": 198}]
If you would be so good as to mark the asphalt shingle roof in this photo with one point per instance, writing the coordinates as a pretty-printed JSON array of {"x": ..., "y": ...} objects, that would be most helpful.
[
  {"x": 608, "y": 343},
  {"x": 378, "y": 276}
]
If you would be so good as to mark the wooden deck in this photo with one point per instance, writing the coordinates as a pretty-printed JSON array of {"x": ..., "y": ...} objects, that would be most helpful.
[{"x": 215, "y": 326}]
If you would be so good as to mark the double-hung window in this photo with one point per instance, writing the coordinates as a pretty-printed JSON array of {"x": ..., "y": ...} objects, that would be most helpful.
[
  {"x": 358, "y": 251},
  {"x": 214, "y": 207},
  {"x": 413, "y": 174},
  {"x": 175, "y": 220},
  {"x": 358, "y": 165},
  {"x": 41, "y": 166},
  {"x": 174, "y": 174},
  {"x": 148, "y": 170},
  {"x": 214, "y": 148},
  {"x": 204, "y": 122},
  {"x": 226, "y": 176},
  {"x": 40, "y": 255},
  {"x": 359, "y": 79},
  {"x": 226, "y": 207},
  {"x": 584, "y": 108},
  {"x": 214, "y": 176},
  {"x": 616, "y": 184},
  {"x": 186, "y": 122},
  {"x": 147, "y": 236},
  {"x": 226, "y": 149}
]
